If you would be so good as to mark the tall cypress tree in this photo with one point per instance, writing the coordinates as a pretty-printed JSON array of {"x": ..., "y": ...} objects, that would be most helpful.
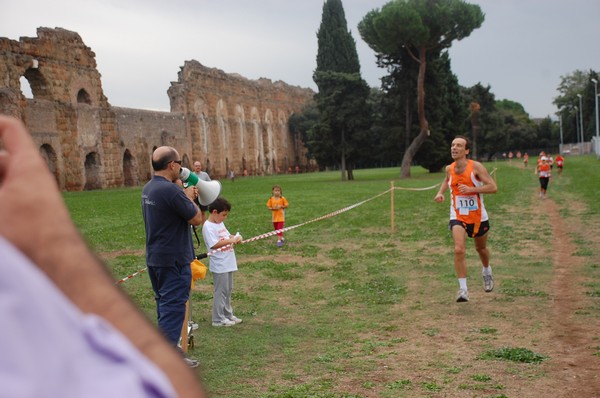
[
  {"x": 337, "y": 48},
  {"x": 342, "y": 95}
]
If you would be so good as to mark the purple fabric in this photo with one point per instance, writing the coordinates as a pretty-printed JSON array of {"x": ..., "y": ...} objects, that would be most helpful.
[{"x": 49, "y": 348}]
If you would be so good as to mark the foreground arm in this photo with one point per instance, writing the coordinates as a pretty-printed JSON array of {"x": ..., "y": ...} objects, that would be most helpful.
[{"x": 36, "y": 221}]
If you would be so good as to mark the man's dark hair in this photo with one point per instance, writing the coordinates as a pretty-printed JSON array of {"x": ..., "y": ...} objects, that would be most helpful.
[
  {"x": 162, "y": 162},
  {"x": 468, "y": 141},
  {"x": 220, "y": 205}
]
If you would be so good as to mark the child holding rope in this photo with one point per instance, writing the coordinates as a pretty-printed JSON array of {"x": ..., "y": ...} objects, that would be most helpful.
[
  {"x": 222, "y": 263},
  {"x": 278, "y": 203}
]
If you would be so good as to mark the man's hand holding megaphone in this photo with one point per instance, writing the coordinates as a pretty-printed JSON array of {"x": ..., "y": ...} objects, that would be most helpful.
[
  {"x": 191, "y": 192},
  {"x": 206, "y": 191}
]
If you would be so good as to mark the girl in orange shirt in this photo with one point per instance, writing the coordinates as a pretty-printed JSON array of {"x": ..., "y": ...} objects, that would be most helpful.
[{"x": 278, "y": 203}]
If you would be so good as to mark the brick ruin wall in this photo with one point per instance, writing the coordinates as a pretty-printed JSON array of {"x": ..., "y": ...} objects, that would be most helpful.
[{"x": 224, "y": 120}]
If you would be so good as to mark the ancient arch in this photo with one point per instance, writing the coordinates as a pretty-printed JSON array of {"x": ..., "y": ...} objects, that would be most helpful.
[
  {"x": 83, "y": 97},
  {"x": 240, "y": 120},
  {"x": 257, "y": 147},
  {"x": 201, "y": 111},
  {"x": 283, "y": 138},
  {"x": 38, "y": 83},
  {"x": 185, "y": 161},
  {"x": 50, "y": 157},
  {"x": 130, "y": 174},
  {"x": 269, "y": 150},
  {"x": 282, "y": 132},
  {"x": 93, "y": 179},
  {"x": 223, "y": 133}
]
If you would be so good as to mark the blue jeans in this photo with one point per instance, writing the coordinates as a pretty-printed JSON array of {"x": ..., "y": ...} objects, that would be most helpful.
[{"x": 171, "y": 287}]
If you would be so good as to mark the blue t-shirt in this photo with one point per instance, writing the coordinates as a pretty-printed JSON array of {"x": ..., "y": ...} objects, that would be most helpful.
[{"x": 166, "y": 211}]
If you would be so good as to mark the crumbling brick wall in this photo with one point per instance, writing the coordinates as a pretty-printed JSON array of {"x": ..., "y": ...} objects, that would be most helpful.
[{"x": 224, "y": 120}]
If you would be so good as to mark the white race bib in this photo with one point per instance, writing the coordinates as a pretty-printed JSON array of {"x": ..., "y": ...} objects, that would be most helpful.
[{"x": 466, "y": 203}]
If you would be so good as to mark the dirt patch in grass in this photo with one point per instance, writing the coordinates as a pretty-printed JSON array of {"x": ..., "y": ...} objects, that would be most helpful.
[{"x": 575, "y": 371}]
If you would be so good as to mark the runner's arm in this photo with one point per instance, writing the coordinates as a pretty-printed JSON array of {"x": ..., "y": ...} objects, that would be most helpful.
[{"x": 439, "y": 197}]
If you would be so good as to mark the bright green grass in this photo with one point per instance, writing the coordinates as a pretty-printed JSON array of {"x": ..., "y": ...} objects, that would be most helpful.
[{"x": 333, "y": 302}]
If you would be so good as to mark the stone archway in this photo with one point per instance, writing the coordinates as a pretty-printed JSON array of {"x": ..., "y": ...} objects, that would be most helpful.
[
  {"x": 50, "y": 157},
  {"x": 83, "y": 97},
  {"x": 185, "y": 162},
  {"x": 40, "y": 89},
  {"x": 130, "y": 175},
  {"x": 92, "y": 171}
]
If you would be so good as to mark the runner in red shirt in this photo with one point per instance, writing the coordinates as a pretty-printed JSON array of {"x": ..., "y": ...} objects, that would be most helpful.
[{"x": 560, "y": 161}]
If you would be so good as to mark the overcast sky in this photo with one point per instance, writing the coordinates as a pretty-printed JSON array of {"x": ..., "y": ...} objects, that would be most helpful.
[{"x": 521, "y": 50}]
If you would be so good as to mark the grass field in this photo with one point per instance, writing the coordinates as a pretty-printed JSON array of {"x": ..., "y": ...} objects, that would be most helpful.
[{"x": 349, "y": 309}]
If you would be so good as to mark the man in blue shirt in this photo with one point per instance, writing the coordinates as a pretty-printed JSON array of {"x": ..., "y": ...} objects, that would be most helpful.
[{"x": 168, "y": 212}]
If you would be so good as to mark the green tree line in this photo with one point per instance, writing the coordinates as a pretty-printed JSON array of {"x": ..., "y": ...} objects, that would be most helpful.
[{"x": 420, "y": 106}]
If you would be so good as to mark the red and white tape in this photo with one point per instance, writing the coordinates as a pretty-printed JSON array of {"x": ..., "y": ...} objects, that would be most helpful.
[
  {"x": 275, "y": 232},
  {"x": 131, "y": 276}
]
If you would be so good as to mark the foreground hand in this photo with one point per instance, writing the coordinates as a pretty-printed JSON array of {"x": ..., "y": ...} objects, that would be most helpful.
[{"x": 33, "y": 213}]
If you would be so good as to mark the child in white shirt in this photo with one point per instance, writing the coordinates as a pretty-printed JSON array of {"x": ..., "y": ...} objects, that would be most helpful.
[{"x": 222, "y": 263}]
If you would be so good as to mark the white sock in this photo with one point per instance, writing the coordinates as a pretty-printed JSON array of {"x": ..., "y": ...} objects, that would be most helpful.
[
  {"x": 486, "y": 270},
  {"x": 463, "y": 283}
]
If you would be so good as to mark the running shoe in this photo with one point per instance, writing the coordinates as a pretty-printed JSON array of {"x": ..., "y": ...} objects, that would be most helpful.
[
  {"x": 462, "y": 296},
  {"x": 488, "y": 283}
]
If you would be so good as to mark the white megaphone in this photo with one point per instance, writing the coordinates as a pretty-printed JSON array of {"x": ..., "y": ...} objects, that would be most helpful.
[{"x": 208, "y": 191}]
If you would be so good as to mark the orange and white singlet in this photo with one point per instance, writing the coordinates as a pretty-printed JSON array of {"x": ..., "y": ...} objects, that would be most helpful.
[
  {"x": 544, "y": 170},
  {"x": 467, "y": 208}
]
